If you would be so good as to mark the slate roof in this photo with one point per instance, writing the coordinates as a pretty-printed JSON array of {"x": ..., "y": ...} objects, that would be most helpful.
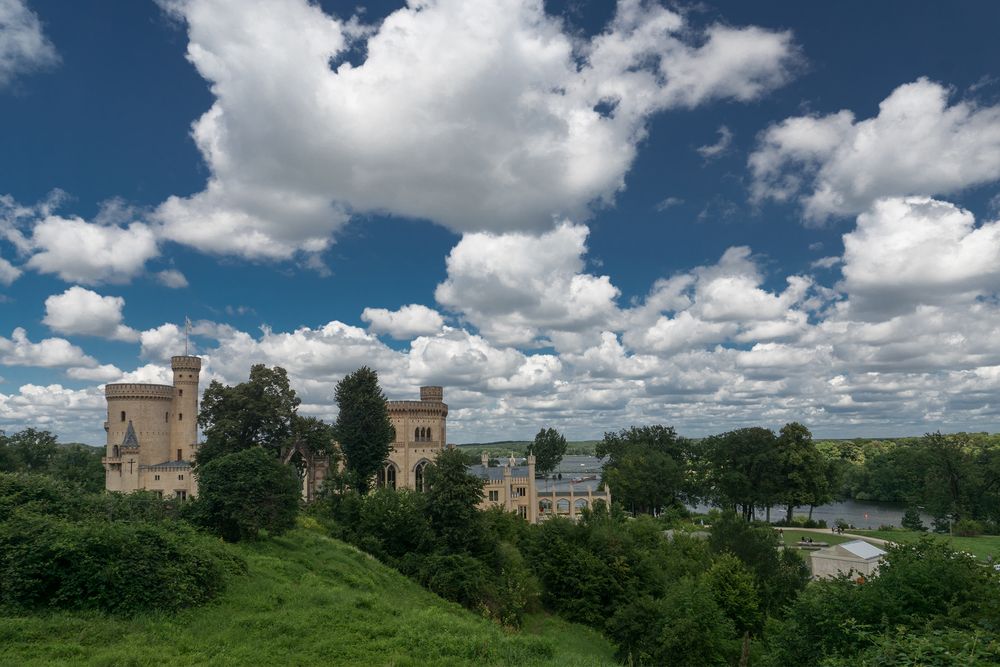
[
  {"x": 168, "y": 465},
  {"x": 131, "y": 440},
  {"x": 495, "y": 473}
]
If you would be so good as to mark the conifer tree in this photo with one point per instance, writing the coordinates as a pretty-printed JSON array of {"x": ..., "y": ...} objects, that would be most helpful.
[{"x": 363, "y": 427}]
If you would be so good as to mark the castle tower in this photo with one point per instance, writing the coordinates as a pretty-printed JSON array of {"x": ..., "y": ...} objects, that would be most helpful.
[
  {"x": 138, "y": 427},
  {"x": 184, "y": 426},
  {"x": 421, "y": 432}
]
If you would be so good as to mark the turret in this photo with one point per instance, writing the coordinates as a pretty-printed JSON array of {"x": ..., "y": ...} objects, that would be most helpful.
[
  {"x": 184, "y": 418},
  {"x": 485, "y": 458}
]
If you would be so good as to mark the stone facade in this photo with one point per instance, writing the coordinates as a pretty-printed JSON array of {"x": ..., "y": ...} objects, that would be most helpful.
[{"x": 153, "y": 433}]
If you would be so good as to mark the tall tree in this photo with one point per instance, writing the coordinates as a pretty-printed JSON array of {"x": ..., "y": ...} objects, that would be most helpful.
[
  {"x": 548, "y": 447},
  {"x": 740, "y": 469},
  {"x": 255, "y": 413},
  {"x": 453, "y": 497},
  {"x": 363, "y": 427},
  {"x": 802, "y": 467},
  {"x": 645, "y": 466}
]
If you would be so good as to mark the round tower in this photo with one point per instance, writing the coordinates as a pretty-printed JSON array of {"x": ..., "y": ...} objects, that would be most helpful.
[
  {"x": 184, "y": 420},
  {"x": 138, "y": 428}
]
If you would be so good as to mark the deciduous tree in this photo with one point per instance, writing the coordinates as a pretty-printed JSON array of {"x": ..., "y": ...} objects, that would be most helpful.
[{"x": 549, "y": 447}]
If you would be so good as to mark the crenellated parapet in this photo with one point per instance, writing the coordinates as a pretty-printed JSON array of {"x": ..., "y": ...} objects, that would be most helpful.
[
  {"x": 136, "y": 390},
  {"x": 424, "y": 408}
]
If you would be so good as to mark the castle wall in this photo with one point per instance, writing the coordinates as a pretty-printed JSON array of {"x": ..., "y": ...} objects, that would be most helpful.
[{"x": 421, "y": 432}]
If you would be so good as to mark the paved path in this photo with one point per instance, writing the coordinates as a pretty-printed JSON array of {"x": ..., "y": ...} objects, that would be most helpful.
[{"x": 827, "y": 531}]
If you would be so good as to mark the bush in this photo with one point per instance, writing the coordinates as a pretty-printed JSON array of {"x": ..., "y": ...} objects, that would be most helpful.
[
  {"x": 37, "y": 493},
  {"x": 459, "y": 578},
  {"x": 968, "y": 528},
  {"x": 685, "y": 627},
  {"x": 242, "y": 494},
  {"x": 115, "y": 567},
  {"x": 911, "y": 520}
]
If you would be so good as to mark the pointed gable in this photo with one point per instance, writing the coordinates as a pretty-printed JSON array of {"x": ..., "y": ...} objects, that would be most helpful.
[{"x": 131, "y": 441}]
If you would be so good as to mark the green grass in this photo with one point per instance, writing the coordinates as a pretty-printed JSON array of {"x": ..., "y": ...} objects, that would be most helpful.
[
  {"x": 308, "y": 600},
  {"x": 793, "y": 537},
  {"x": 980, "y": 547}
]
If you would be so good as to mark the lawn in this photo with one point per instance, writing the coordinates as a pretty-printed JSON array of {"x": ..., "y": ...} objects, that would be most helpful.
[
  {"x": 792, "y": 537},
  {"x": 980, "y": 547},
  {"x": 308, "y": 600}
]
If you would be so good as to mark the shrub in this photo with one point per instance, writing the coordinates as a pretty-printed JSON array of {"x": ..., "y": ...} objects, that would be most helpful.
[
  {"x": 968, "y": 528},
  {"x": 392, "y": 524},
  {"x": 459, "y": 578},
  {"x": 116, "y": 567},
  {"x": 37, "y": 493},
  {"x": 244, "y": 493},
  {"x": 911, "y": 520}
]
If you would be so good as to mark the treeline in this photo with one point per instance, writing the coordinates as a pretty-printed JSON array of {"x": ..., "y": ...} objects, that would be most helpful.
[
  {"x": 40, "y": 452},
  {"x": 752, "y": 471},
  {"x": 954, "y": 478}
]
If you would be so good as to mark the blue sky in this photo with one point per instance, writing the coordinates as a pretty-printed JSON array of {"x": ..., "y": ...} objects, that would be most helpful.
[{"x": 579, "y": 215}]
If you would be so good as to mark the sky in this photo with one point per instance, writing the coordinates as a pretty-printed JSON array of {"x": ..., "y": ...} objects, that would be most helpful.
[{"x": 577, "y": 215}]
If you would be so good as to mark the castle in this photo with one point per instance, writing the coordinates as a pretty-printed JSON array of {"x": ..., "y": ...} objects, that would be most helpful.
[
  {"x": 144, "y": 452},
  {"x": 153, "y": 433}
]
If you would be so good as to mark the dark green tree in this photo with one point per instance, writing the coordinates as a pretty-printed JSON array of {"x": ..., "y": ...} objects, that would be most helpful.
[
  {"x": 244, "y": 493},
  {"x": 645, "y": 467},
  {"x": 79, "y": 465},
  {"x": 32, "y": 449},
  {"x": 740, "y": 471},
  {"x": 363, "y": 428},
  {"x": 549, "y": 447},
  {"x": 255, "y": 413},
  {"x": 911, "y": 520},
  {"x": 802, "y": 468},
  {"x": 453, "y": 496}
]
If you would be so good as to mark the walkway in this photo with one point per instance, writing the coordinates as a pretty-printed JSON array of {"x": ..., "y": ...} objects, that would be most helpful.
[{"x": 827, "y": 531}]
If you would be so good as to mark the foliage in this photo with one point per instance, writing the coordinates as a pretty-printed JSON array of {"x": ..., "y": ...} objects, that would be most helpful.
[
  {"x": 735, "y": 592},
  {"x": 803, "y": 471},
  {"x": 740, "y": 469},
  {"x": 967, "y": 528},
  {"x": 244, "y": 493},
  {"x": 911, "y": 520},
  {"x": 306, "y": 600},
  {"x": 453, "y": 496},
  {"x": 685, "y": 627},
  {"x": 363, "y": 427},
  {"x": 255, "y": 413},
  {"x": 117, "y": 567},
  {"x": 35, "y": 451},
  {"x": 933, "y": 648},
  {"x": 391, "y": 524},
  {"x": 549, "y": 447},
  {"x": 645, "y": 467},
  {"x": 780, "y": 575},
  {"x": 919, "y": 586}
]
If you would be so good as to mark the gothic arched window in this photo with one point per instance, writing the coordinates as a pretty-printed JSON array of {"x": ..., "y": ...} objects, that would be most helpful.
[{"x": 418, "y": 476}]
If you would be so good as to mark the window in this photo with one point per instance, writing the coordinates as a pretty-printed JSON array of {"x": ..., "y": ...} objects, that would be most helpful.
[
  {"x": 180, "y": 392},
  {"x": 179, "y": 452},
  {"x": 166, "y": 417},
  {"x": 521, "y": 492},
  {"x": 428, "y": 434},
  {"x": 494, "y": 496},
  {"x": 181, "y": 494},
  {"x": 418, "y": 476},
  {"x": 159, "y": 494},
  {"x": 115, "y": 452},
  {"x": 156, "y": 478},
  {"x": 180, "y": 416},
  {"x": 123, "y": 415},
  {"x": 522, "y": 512},
  {"x": 180, "y": 476}
]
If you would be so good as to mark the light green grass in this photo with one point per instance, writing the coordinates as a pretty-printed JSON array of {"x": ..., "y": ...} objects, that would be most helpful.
[
  {"x": 792, "y": 537},
  {"x": 980, "y": 547},
  {"x": 307, "y": 600}
]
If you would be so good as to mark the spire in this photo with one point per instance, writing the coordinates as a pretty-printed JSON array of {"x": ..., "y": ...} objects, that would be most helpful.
[
  {"x": 187, "y": 333},
  {"x": 131, "y": 440}
]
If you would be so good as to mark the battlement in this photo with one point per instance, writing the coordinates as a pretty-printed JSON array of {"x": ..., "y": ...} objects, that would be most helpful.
[
  {"x": 130, "y": 390},
  {"x": 430, "y": 408},
  {"x": 185, "y": 363}
]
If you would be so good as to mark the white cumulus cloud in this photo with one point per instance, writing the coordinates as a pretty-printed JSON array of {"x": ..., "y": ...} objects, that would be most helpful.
[
  {"x": 82, "y": 311},
  {"x": 918, "y": 144},
  {"x": 407, "y": 322},
  {"x": 516, "y": 123}
]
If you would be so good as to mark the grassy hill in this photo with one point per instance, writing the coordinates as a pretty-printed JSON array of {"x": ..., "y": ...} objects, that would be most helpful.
[{"x": 308, "y": 600}]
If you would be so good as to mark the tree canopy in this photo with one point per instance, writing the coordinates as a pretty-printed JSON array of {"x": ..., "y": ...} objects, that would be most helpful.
[
  {"x": 645, "y": 467},
  {"x": 257, "y": 413},
  {"x": 549, "y": 447},
  {"x": 363, "y": 428}
]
